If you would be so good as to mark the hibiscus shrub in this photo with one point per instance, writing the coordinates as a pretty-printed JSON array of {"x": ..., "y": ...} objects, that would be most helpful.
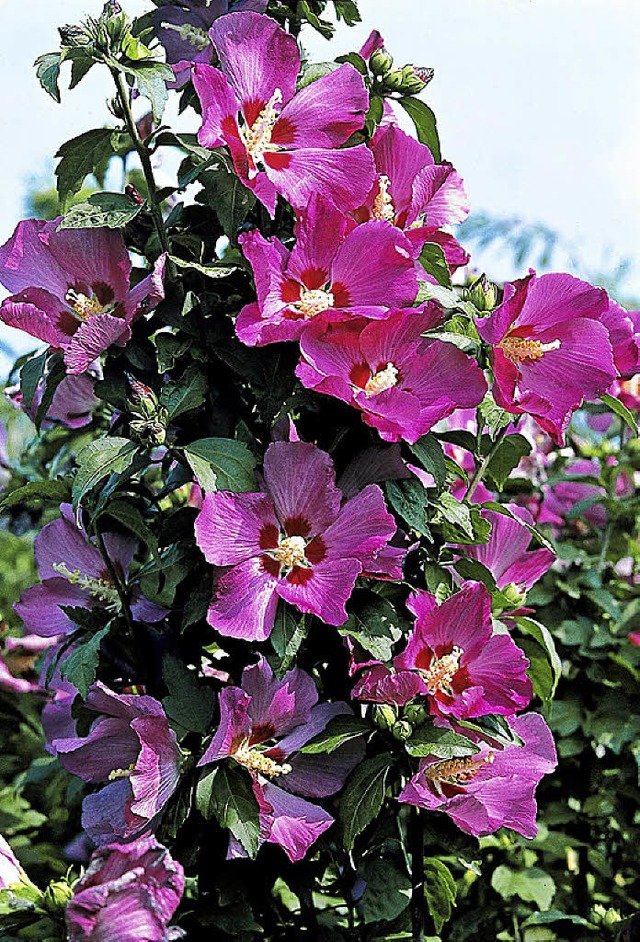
[{"x": 335, "y": 568}]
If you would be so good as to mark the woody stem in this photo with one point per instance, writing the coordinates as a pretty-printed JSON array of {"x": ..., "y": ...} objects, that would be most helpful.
[
  {"x": 416, "y": 850},
  {"x": 482, "y": 467},
  {"x": 145, "y": 160}
]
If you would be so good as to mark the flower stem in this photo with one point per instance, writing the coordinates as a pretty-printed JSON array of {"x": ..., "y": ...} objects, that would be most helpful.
[
  {"x": 416, "y": 850},
  {"x": 115, "y": 578},
  {"x": 482, "y": 467},
  {"x": 145, "y": 160}
]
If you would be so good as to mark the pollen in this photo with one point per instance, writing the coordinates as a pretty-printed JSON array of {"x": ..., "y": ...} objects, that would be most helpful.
[
  {"x": 313, "y": 302},
  {"x": 290, "y": 551},
  {"x": 260, "y": 764},
  {"x": 197, "y": 38},
  {"x": 257, "y": 138},
  {"x": 82, "y": 305},
  {"x": 457, "y": 771},
  {"x": 383, "y": 379},
  {"x": 121, "y": 773},
  {"x": 519, "y": 349},
  {"x": 383, "y": 207},
  {"x": 442, "y": 670},
  {"x": 100, "y": 589}
]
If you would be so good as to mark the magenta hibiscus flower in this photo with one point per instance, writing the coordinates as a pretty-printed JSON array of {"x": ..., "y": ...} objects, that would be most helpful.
[
  {"x": 263, "y": 725},
  {"x": 551, "y": 350},
  {"x": 129, "y": 893},
  {"x": 454, "y": 660},
  {"x": 506, "y": 555},
  {"x": 131, "y": 747},
  {"x": 402, "y": 383},
  {"x": 71, "y": 288},
  {"x": 74, "y": 573},
  {"x": 293, "y": 541},
  {"x": 492, "y": 789},
  {"x": 414, "y": 193},
  {"x": 282, "y": 141},
  {"x": 624, "y": 333},
  {"x": 334, "y": 268}
]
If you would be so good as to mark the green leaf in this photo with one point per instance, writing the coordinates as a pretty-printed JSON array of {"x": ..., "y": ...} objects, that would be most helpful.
[
  {"x": 216, "y": 271},
  {"x": 507, "y": 457},
  {"x": 374, "y": 115},
  {"x": 387, "y": 891},
  {"x": 81, "y": 666},
  {"x": 434, "y": 263},
  {"x": 36, "y": 492},
  {"x": 621, "y": 411},
  {"x": 439, "y": 891},
  {"x": 409, "y": 500},
  {"x": 185, "y": 394},
  {"x": 493, "y": 727},
  {"x": 48, "y": 73},
  {"x": 314, "y": 71},
  {"x": 227, "y": 465},
  {"x": 375, "y": 626},
  {"x": 151, "y": 79},
  {"x": 425, "y": 123},
  {"x": 113, "y": 210},
  {"x": 56, "y": 372},
  {"x": 362, "y": 797},
  {"x": 545, "y": 681},
  {"x": 339, "y": 730},
  {"x": 287, "y": 636},
  {"x": 229, "y": 198},
  {"x": 460, "y": 522},
  {"x": 130, "y": 517},
  {"x": 30, "y": 376},
  {"x": 98, "y": 460},
  {"x": 494, "y": 417},
  {"x": 430, "y": 740},
  {"x": 532, "y": 885},
  {"x": 187, "y": 704},
  {"x": 227, "y": 795},
  {"x": 429, "y": 453},
  {"x": 82, "y": 155},
  {"x": 347, "y": 10}
]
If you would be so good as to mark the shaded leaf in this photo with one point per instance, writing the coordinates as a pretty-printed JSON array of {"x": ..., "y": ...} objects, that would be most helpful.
[
  {"x": 363, "y": 796},
  {"x": 81, "y": 156},
  {"x": 98, "y": 460},
  {"x": 440, "y": 891},
  {"x": 425, "y": 124},
  {"x": 113, "y": 210},
  {"x": 222, "y": 464},
  {"x": 81, "y": 666},
  {"x": 226, "y": 794},
  {"x": 48, "y": 73}
]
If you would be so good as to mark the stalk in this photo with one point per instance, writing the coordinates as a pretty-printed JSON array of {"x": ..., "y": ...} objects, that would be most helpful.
[{"x": 416, "y": 850}]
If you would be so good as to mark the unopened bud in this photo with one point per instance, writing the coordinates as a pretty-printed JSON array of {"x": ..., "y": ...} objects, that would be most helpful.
[
  {"x": 133, "y": 194},
  {"x": 392, "y": 81},
  {"x": 152, "y": 433},
  {"x": 56, "y": 896},
  {"x": 514, "y": 595},
  {"x": 415, "y": 79},
  {"x": 73, "y": 35},
  {"x": 381, "y": 61},
  {"x": 402, "y": 730},
  {"x": 384, "y": 715},
  {"x": 111, "y": 8},
  {"x": 415, "y": 713},
  {"x": 483, "y": 294}
]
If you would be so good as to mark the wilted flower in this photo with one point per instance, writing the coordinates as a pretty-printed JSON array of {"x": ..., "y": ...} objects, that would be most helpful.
[
  {"x": 71, "y": 288},
  {"x": 128, "y": 894},
  {"x": 282, "y": 141},
  {"x": 334, "y": 269},
  {"x": 551, "y": 350},
  {"x": 263, "y": 725},
  {"x": 292, "y": 541},
  {"x": 494, "y": 787},
  {"x": 402, "y": 383},
  {"x": 74, "y": 574},
  {"x": 131, "y": 747}
]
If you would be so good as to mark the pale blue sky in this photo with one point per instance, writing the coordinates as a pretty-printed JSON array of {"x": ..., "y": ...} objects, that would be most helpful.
[{"x": 537, "y": 103}]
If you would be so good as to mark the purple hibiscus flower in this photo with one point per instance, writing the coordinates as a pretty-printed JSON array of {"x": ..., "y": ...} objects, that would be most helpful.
[
  {"x": 74, "y": 573},
  {"x": 493, "y": 788},
  {"x": 72, "y": 405},
  {"x": 402, "y": 383},
  {"x": 624, "y": 333},
  {"x": 128, "y": 893},
  {"x": 183, "y": 30},
  {"x": 263, "y": 725},
  {"x": 282, "y": 141},
  {"x": 559, "y": 499},
  {"x": 336, "y": 268},
  {"x": 414, "y": 193},
  {"x": 293, "y": 541},
  {"x": 454, "y": 660},
  {"x": 71, "y": 288},
  {"x": 551, "y": 350},
  {"x": 506, "y": 555},
  {"x": 131, "y": 747}
]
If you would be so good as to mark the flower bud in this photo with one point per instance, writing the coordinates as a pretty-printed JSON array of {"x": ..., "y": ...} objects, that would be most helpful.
[
  {"x": 415, "y": 79},
  {"x": 483, "y": 294},
  {"x": 415, "y": 713},
  {"x": 515, "y": 595},
  {"x": 402, "y": 730},
  {"x": 385, "y": 715},
  {"x": 133, "y": 194},
  {"x": 74, "y": 35},
  {"x": 381, "y": 61},
  {"x": 56, "y": 896},
  {"x": 392, "y": 81}
]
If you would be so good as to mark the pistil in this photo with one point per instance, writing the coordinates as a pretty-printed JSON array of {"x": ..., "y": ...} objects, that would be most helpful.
[
  {"x": 456, "y": 771},
  {"x": 290, "y": 551},
  {"x": 257, "y": 138},
  {"x": 383, "y": 379},
  {"x": 100, "y": 589},
  {"x": 313, "y": 302},
  {"x": 83, "y": 306},
  {"x": 442, "y": 670},
  {"x": 260, "y": 764},
  {"x": 519, "y": 349},
  {"x": 383, "y": 207}
]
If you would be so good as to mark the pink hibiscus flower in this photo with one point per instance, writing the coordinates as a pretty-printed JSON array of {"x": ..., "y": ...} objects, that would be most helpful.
[
  {"x": 402, "y": 383},
  {"x": 282, "y": 141},
  {"x": 71, "y": 289},
  {"x": 551, "y": 350},
  {"x": 293, "y": 541},
  {"x": 334, "y": 268}
]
